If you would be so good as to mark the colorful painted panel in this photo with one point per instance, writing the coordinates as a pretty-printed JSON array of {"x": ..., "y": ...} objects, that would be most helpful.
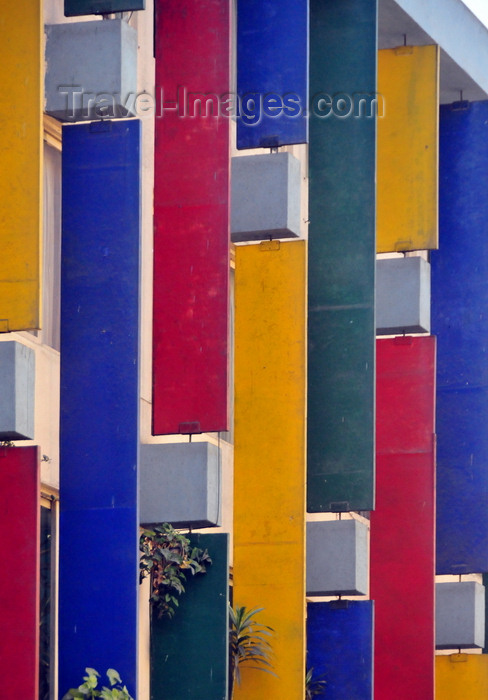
[
  {"x": 461, "y": 676},
  {"x": 191, "y": 218},
  {"x": 340, "y": 648},
  {"x": 99, "y": 433},
  {"x": 73, "y": 8},
  {"x": 19, "y": 583},
  {"x": 341, "y": 327},
  {"x": 408, "y": 82},
  {"x": 197, "y": 636},
  {"x": 402, "y": 525},
  {"x": 459, "y": 302},
  {"x": 272, "y": 72},
  {"x": 21, "y": 33},
  {"x": 269, "y": 456}
]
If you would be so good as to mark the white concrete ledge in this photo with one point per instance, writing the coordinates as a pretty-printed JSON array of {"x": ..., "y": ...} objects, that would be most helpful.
[{"x": 462, "y": 37}]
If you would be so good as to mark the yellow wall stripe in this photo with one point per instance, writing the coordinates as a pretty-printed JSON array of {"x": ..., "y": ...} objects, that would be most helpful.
[
  {"x": 461, "y": 677},
  {"x": 408, "y": 80},
  {"x": 20, "y": 163},
  {"x": 269, "y": 472}
]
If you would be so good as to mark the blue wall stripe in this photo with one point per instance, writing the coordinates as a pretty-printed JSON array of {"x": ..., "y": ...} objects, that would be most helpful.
[
  {"x": 460, "y": 321},
  {"x": 340, "y": 648},
  {"x": 272, "y": 72},
  {"x": 98, "y": 584}
]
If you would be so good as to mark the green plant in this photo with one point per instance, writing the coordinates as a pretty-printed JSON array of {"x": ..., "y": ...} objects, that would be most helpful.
[
  {"x": 88, "y": 689},
  {"x": 248, "y": 643},
  {"x": 167, "y": 557},
  {"x": 313, "y": 687}
]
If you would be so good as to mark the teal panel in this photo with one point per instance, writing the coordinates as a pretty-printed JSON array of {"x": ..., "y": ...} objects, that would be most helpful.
[
  {"x": 189, "y": 654},
  {"x": 75, "y": 8},
  {"x": 341, "y": 330}
]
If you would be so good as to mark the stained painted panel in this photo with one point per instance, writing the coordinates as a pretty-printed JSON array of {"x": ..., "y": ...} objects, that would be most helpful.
[
  {"x": 340, "y": 648},
  {"x": 341, "y": 328},
  {"x": 191, "y": 218},
  {"x": 272, "y": 72},
  {"x": 408, "y": 134},
  {"x": 74, "y": 8},
  {"x": 198, "y": 633},
  {"x": 461, "y": 676},
  {"x": 402, "y": 525},
  {"x": 99, "y": 400},
  {"x": 19, "y": 583},
  {"x": 269, "y": 468},
  {"x": 21, "y": 33},
  {"x": 459, "y": 301}
]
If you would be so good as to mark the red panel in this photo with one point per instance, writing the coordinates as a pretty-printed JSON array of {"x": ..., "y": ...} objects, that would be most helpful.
[
  {"x": 19, "y": 579},
  {"x": 191, "y": 218},
  {"x": 405, "y": 395},
  {"x": 402, "y": 527}
]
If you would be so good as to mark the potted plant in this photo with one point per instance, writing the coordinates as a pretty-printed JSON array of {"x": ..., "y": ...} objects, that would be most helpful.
[{"x": 167, "y": 557}]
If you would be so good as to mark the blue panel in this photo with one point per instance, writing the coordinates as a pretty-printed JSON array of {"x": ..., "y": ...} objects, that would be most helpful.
[
  {"x": 272, "y": 72},
  {"x": 340, "y": 648},
  {"x": 99, "y": 400},
  {"x": 459, "y": 319}
]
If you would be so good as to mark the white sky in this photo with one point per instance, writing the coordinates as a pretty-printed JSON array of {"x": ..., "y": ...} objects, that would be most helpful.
[{"x": 479, "y": 8}]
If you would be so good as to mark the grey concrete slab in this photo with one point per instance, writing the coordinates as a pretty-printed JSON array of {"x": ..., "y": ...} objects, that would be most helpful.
[
  {"x": 460, "y": 615},
  {"x": 337, "y": 558},
  {"x": 402, "y": 296},
  {"x": 462, "y": 37},
  {"x": 265, "y": 197},
  {"x": 17, "y": 379},
  {"x": 180, "y": 484},
  {"x": 91, "y": 70}
]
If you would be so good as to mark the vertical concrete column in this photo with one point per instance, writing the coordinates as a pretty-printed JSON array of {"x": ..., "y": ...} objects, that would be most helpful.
[
  {"x": 21, "y": 68},
  {"x": 19, "y": 582},
  {"x": 402, "y": 525},
  {"x": 99, "y": 427},
  {"x": 342, "y": 244},
  {"x": 269, "y": 471}
]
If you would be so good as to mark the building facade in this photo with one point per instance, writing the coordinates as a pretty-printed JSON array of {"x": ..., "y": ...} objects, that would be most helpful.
[{"x": 243, "y": 291}]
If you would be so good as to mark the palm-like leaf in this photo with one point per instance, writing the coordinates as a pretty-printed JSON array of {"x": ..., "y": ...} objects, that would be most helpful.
[
  {"x": 314, "y": 686},
  {"x": 248, "y": 642}
]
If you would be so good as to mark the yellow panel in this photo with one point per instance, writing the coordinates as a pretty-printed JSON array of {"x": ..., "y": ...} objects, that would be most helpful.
[
  {"x": 20, "y": 163},
  {"x": 269, "y": 471},
  {"x": 408, "y": 80},
  {"x": 461, "y": 677}
]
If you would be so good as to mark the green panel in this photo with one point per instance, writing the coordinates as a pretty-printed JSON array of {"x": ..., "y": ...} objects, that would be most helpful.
[
  {"x": 189, "y": 654},
  {"x": 341, "y": 331}
]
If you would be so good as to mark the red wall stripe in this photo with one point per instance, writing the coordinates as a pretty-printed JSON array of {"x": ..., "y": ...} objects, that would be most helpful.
[
  {"x": 19, "y": 580},
  {"x": 402, "y": 526},
  {"x": 191, "y": 218}
]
